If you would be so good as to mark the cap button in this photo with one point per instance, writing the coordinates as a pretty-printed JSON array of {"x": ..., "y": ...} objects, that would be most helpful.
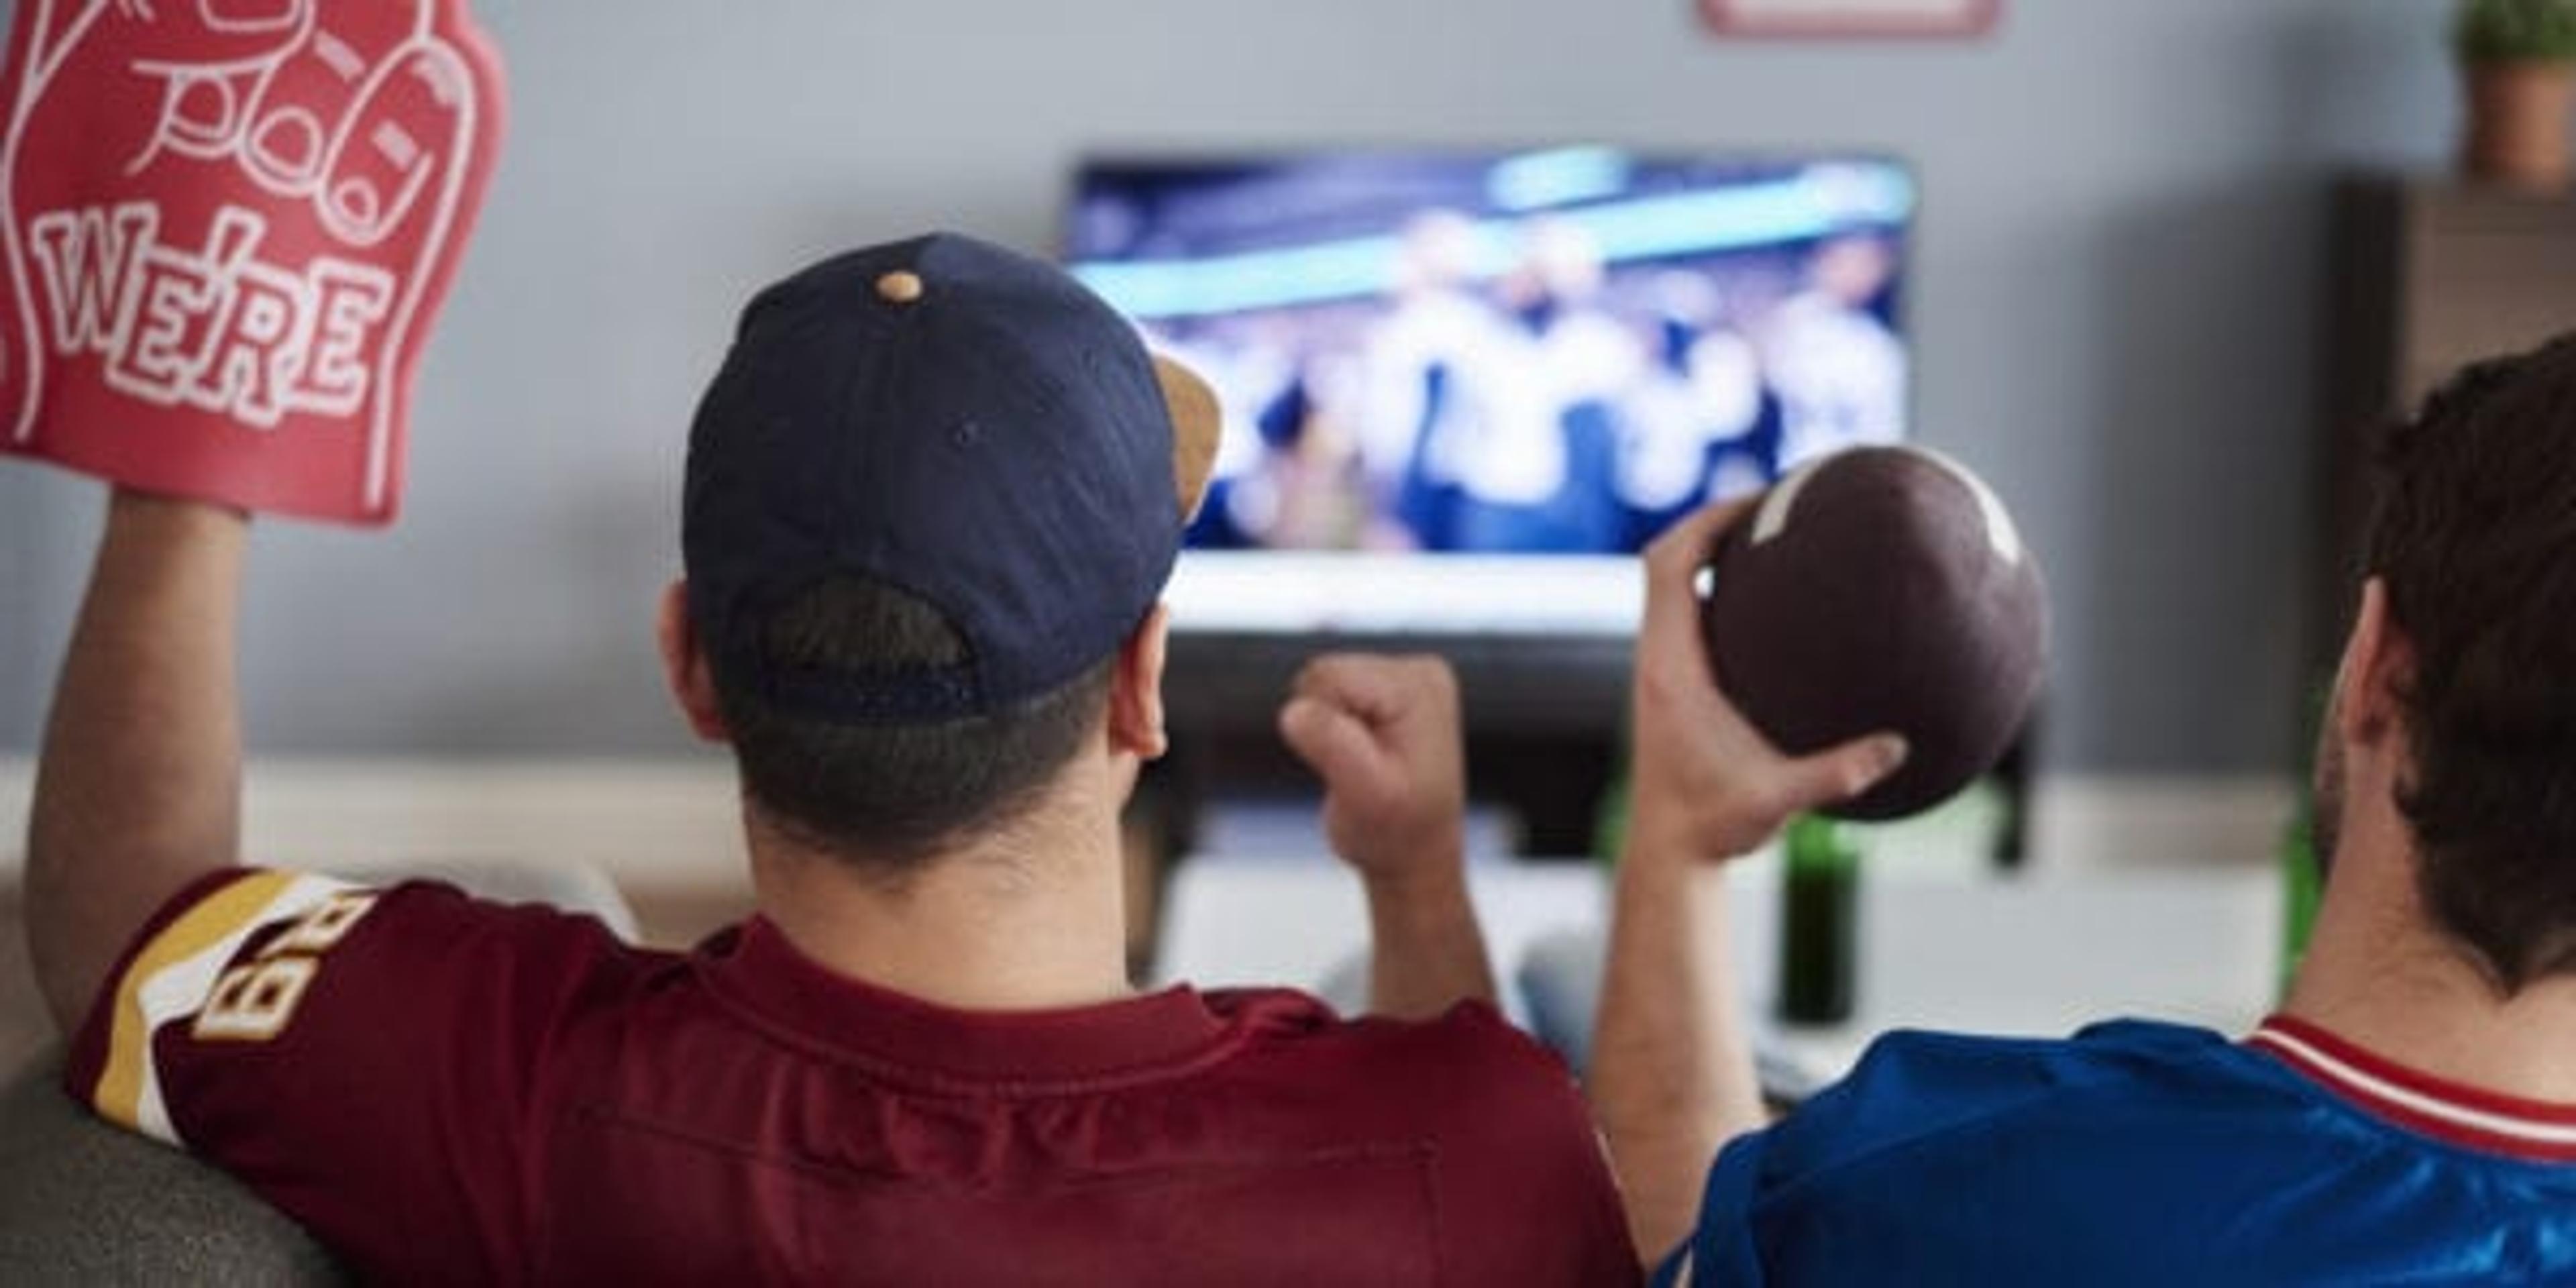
[{"x": 899, "y": 287}]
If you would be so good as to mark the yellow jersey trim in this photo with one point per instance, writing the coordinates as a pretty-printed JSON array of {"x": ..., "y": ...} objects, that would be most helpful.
[{"x": 233, "y": 908}]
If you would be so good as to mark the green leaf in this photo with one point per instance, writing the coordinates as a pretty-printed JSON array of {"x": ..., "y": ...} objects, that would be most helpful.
[{"x": 2488, "y": 31}]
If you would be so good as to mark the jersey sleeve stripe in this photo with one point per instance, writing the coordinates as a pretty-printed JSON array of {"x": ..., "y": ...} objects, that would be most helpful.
[{"x": 171, "y": 977}]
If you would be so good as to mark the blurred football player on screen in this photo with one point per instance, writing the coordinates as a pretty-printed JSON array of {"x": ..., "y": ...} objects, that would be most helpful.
[{"x": 1839, "y": 370}]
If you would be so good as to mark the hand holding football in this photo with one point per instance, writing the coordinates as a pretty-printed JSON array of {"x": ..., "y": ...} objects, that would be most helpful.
[{"x": 1881, "y": 589}]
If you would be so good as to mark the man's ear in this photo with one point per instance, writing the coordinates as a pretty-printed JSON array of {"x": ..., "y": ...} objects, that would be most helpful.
[
  {"x": 2378, "y": 667},
  {"x": 684, "y": 667},
  {"x": 1136, "y": 690}
]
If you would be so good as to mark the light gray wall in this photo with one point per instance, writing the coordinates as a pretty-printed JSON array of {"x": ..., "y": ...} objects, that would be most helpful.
[
  {"x": 2116, "y": 301},
  {"x": 23, "y": 538}
]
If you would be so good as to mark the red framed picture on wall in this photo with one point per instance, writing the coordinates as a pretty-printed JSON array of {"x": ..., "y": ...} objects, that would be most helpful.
[{"x": 1861, "y": 18}]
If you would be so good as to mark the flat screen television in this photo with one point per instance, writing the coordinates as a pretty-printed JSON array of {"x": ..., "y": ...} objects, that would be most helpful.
[{"x": 1460, "y": 386}]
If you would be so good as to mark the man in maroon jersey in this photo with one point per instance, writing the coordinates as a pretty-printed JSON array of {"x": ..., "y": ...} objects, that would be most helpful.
[{"x": 932, "y": 499}]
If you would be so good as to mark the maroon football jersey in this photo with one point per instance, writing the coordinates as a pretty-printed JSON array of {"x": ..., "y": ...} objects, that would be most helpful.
[{"x": 447, "y": 1089}]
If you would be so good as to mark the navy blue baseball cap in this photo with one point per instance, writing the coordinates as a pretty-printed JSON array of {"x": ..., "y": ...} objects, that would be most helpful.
[{"x": 962, "y": 423}]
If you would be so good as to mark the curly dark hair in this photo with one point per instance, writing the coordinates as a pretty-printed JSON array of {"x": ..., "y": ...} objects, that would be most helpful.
[{"x": 2474, "y": 539}]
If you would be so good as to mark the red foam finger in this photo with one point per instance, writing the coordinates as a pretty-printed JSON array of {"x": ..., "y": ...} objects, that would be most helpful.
[
  {"x": 308, "y": 101},
  {"x": 396, "y": 145},
  {"x": 252, "y": 15},
  {"x": 199, "y": 33},
  {"x": 300, "y": 103},
  {"x": 222, "y": 256}
]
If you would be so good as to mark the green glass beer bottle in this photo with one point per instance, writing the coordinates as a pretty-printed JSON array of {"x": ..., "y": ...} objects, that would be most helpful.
[
  {"x": 2301, "y": 887},
  {"x": 1819, "y": 915},
  {"x": 2302, "y": 876}
]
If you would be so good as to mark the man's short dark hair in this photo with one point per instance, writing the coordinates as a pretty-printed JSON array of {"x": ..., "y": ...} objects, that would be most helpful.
[
  {"x": 2475, "y": 541},
  {"x": 885, "y": 796}
]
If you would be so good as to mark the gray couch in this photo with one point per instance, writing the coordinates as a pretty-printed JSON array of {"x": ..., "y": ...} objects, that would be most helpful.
[{"x": 84, "y": 1203}]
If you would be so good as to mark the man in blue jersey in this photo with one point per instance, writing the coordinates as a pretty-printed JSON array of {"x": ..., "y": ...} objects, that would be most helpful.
[{"x": 2409, "y": 1116}]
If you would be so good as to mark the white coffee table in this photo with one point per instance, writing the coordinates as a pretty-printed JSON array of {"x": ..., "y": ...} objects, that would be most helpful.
[{"x": 2034, "y": 956}]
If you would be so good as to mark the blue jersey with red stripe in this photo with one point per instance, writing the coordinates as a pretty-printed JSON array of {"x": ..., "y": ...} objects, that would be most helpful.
[{"x": 2140, "y": 1153}]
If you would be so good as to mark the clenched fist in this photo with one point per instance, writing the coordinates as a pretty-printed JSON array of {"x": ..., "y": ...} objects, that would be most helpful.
[
  {"x": 1708, "y": 785},
  {"x": 1382, "y": 732}
]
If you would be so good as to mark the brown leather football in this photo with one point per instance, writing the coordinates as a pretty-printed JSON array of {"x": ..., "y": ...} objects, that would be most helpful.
[{"x": 1882, "y": 588}]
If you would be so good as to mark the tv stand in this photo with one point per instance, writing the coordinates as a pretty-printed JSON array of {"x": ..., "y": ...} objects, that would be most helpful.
[{"x": 1546, "y": 739}]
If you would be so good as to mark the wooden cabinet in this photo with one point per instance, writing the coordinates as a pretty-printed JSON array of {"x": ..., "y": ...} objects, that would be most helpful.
[{"x": 2426, "y": 275}]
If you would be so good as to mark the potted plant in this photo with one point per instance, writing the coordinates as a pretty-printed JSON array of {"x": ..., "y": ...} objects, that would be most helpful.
[{"x": 2519, "y": 58}]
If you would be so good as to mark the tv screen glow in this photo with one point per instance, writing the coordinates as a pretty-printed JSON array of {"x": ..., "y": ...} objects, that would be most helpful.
[{"x": 1460, "y": 386}]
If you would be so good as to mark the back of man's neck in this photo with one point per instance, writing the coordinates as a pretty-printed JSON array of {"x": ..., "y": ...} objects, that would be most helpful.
[
  {"x": 2380, "y": 975},
  {"x": 1033, "y": 921}
]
